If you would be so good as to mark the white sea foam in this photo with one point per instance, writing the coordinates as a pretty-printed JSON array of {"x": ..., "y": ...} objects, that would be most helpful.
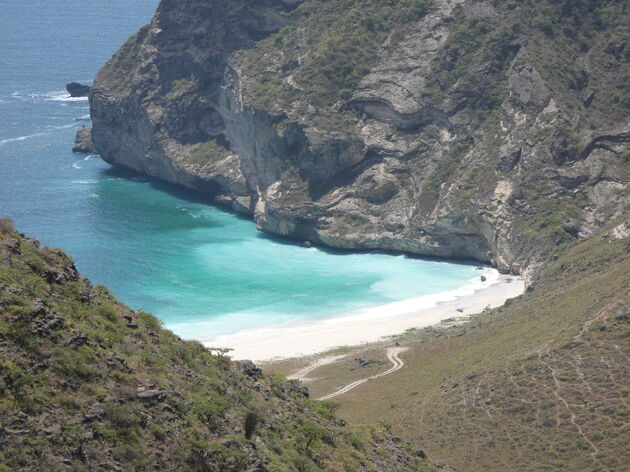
[
  {"x": 76, "y": 165},
  {"x": 298, "y": 338},
  {"x": 83, "y": 182},
  {"x": 55, "y": 96},
  {"x": 194, "y": 214},
  {"x": 22, "y": 138},
  {"x": 37, "y": 135},
  {"x": 73, "y": 125},
  {"x": 60, "y": 96}
]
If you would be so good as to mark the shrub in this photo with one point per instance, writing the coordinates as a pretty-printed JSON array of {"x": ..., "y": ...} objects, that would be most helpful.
[
  {"x": 415, "y": 8},
  {"x": 122, "y": 416},
  {"x": 209, "y": 151},
  {"x": 327, "y": 409},
  {"x": 13, "y": 379},
  {"x": 6, "y": 226},
  {"x": 211, "y": 409},
  {"x": 80, "y": 364},
  {"x": 107, "y": 311},
  {"x": 546, "y": 26},
  {"x": 251, "y": 421},
  {"x": 150, "y": 321},
  {"x": 312, "y": 434}
]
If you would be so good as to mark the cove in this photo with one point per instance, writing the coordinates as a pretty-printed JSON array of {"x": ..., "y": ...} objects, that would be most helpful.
[{"x": 203, "y": 271}]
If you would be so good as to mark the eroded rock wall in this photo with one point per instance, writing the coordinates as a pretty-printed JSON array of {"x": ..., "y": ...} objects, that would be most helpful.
[{"x": 459, "y": 140}]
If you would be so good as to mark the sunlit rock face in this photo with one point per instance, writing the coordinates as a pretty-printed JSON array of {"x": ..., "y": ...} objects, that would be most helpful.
[{"x": 443, "y": 128}]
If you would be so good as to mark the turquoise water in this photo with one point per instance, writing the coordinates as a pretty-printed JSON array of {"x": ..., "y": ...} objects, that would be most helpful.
[{"x": 202, "y": 270}]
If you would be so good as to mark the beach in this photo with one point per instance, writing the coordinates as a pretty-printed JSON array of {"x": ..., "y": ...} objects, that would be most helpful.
[{"x": 369, "y": 325}]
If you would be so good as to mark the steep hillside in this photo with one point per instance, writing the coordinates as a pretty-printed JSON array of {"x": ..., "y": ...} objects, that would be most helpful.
[
  {"x": 541, "y": 384},
  {"x": 88, "y": 384},
  {"x": 490, "y": 130}
]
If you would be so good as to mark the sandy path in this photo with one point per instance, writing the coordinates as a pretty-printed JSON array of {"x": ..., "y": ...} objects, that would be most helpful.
[
  {"x": 302, "y": 374},
  {"x": 392, "y": 355}
]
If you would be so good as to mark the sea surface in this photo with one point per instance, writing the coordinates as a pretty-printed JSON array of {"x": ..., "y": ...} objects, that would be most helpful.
[{"x": 202, "y": 270}]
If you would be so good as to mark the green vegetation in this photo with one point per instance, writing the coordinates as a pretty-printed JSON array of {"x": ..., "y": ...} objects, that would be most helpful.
[
  {"x": 346, "y": 52},
  {"x": 122, "y": 68},
  {"x": 598, "y": 28},
  {"x": 443, "y": 174},
  {"x": 180, "y": 86},
  {"x": 341, "y": 41},
  {"x": 80, "y": 371},
  {"x": 208, "y": 152}
]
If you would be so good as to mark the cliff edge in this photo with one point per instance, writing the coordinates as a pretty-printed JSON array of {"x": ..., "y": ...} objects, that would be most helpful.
[{"x": 494, "y": 131}]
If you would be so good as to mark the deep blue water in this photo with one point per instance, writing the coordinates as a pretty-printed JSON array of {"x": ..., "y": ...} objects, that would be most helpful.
[{"x": 202, "y": 270}]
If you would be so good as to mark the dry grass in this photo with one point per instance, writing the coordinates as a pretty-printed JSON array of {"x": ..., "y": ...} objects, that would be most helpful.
[
  {"x": 541, "y": 384},
  {"x": 6, "y": 226}
]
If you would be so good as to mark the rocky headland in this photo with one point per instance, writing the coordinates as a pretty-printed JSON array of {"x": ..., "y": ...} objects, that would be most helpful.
[{"x": 452, "y": 128}]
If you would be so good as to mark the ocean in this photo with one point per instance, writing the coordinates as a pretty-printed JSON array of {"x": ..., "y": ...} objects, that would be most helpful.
[{"x": 202, "y": 270}]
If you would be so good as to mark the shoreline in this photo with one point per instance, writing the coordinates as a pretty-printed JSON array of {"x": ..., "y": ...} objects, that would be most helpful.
[{"x": 308, "y": 338}]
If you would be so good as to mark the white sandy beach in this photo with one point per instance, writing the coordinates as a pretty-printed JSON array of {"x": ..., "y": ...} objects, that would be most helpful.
[{"x": 369, "y": 325}]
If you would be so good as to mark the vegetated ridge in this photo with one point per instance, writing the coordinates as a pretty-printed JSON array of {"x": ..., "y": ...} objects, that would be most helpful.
[{"x": 88, "y": 384}]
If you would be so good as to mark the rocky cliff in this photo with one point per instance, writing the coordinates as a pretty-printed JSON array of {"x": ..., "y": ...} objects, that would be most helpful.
[{"x": 495, "y": 131}]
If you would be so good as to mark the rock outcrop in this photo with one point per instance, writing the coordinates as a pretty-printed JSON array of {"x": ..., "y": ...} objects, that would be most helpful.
[
  {"x": 83, "y": 142},
  {"x": 76, "y": 89},
  {"x": 441, "y": 128}
]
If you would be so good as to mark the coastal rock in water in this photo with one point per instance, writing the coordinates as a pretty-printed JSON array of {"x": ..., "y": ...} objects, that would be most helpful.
[
  {"x": 76, "y": 89},
  {"x": 83, "y": 142}
]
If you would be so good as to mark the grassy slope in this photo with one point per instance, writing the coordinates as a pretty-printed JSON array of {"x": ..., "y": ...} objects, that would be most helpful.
[
  {"x": 75, "y": 364},
  {"x": 541, "y": 384}
]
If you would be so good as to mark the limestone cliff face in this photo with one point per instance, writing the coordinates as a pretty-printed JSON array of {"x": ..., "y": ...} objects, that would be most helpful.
[{"x": 453, "y": 128}]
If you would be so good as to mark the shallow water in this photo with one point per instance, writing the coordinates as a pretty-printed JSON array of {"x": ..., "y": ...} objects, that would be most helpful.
[{"x": 202, "y": 270}]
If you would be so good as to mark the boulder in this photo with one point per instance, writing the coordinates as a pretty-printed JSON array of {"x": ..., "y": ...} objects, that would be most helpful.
[
  {"x": 151, "y": 395},
  {"x": 571, "y": 227},
  {"x": 76, "y": 89},
  {"x": 83, "y": 142},
  {"x": 509, "y": 161}
]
